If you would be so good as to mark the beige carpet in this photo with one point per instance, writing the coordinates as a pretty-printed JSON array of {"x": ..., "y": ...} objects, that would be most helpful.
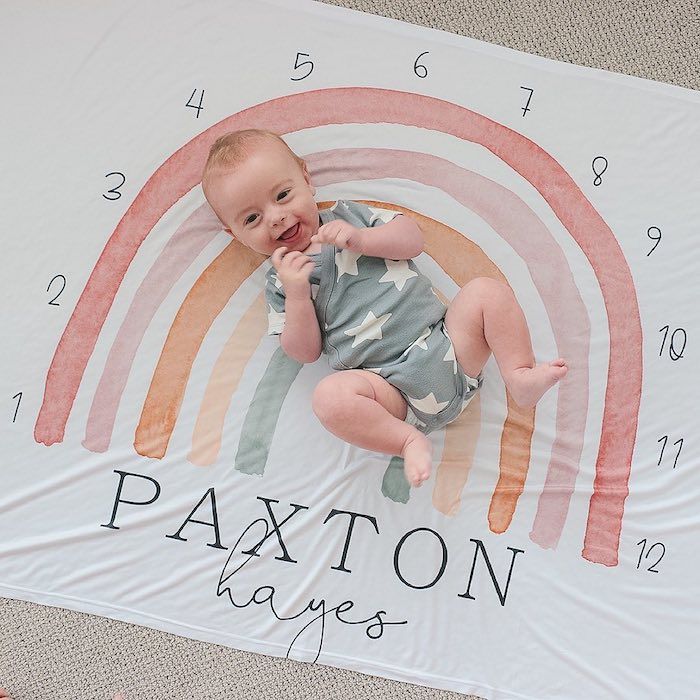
[{"x": 52, "y": 653}]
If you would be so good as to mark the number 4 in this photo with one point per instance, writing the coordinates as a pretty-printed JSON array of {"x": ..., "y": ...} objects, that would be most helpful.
[{"x": 198, "y": 107}]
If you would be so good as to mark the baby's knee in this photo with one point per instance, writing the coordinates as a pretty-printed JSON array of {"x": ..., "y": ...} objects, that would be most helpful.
[
  {"x": 325, "y": 400},
  {"x": 487, "y": 287},
  {"x": 334, "y": 393},
  {"x": 488, "y": 292}
]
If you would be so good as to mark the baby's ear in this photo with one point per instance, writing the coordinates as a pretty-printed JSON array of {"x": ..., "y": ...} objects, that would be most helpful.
[{"x": 307, "y": 177}]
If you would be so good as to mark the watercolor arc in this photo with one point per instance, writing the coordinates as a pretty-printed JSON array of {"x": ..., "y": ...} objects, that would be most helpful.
[{"x": 182, "y": 171}]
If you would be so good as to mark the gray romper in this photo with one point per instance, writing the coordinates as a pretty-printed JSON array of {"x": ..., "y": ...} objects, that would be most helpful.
[{"x": 383, "y": 316}]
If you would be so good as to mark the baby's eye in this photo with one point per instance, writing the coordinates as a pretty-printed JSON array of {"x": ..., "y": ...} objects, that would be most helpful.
[
  {"x": 250, "y": 219},
  {"x": 283, "y": 194}
]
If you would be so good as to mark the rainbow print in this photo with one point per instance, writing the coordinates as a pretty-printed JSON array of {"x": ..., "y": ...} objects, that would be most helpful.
[{"x": 459, "y": 257}]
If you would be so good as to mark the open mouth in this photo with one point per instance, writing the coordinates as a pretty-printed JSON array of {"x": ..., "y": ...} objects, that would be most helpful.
[{"x": 290, "y": 232}]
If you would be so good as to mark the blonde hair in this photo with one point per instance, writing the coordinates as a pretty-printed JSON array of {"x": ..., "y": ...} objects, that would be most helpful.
[{"x": 233, "y": 148}]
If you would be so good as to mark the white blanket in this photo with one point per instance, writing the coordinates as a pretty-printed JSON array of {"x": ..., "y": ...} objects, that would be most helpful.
[{"x": 161, "y": 461}]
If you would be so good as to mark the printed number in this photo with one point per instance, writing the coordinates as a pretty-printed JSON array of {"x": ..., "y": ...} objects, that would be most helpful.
[
  {"x": 198, "y": 107},
  {"x": 17, "y": 396},
  {"x": 678, "y": 442},
  {"x": 53, "y": 301},
  {"x": 604, "y": 164},
  {"x": 654, "y": 238},
  {"x": 417, "y": 65},
  {"x": 656, "y": 544},
  {"x": 115, "y": 189},
  {"x": 303, "y": 63},
  {"x": 526, "y": 108},
  {"x": 673, "y": 353}
]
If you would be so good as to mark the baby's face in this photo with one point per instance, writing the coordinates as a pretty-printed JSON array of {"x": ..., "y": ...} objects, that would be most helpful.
[{"x": 267, "y": 201}]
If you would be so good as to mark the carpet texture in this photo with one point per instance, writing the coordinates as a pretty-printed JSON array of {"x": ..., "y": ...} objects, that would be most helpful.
[{"x": 54, "y": 653}]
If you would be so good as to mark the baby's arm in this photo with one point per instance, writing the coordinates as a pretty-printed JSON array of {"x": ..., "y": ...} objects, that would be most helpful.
[
  {"x": 400, "y": 239},
  {"x": 301, "y": 336}
]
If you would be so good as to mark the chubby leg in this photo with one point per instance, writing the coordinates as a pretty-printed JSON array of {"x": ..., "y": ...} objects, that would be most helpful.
[
  {"x": 365, "y": 410},
  {"x": 485, "y": 317}
]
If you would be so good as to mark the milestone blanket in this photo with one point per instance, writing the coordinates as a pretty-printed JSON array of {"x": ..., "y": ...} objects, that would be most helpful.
[{"x": 161, "y": 460}]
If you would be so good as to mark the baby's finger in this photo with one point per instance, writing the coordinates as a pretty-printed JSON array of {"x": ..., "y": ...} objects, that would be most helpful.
[
  {"x": 327, "y": 231},
  {"x": 277, "y": 256},
  {"x": 300, "y": 261},
  {"x": 292, "y": 259}
]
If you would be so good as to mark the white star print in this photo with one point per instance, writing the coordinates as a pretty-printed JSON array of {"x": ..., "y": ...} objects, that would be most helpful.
[
  {"x": 398, "y": 272},
  {"x": 429, "y": 404},
  {"x": 346, "y": 262},
  {"x": 420, "y": 342},
  {"x": 276, "y": 279},
  {"x": 275, "y": 319},
  {"x": 369, "y": 329},
  {"x": 450, "y": 357}
]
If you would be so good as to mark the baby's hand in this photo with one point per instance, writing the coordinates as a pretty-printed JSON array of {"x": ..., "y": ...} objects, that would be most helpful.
[
  {"x": 341, "y": 234},
  {"x": 293, "y": 270}
]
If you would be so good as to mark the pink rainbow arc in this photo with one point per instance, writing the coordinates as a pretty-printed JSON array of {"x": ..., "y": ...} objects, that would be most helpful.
[{"x": 182, "y": 171}]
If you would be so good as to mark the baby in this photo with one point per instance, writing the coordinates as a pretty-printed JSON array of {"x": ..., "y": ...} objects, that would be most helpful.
[{"x": 343, "y": 282}]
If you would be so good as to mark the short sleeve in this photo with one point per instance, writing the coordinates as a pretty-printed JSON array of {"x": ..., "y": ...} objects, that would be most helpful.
[
  {"x": 360, "y": 214},
  {"x": 275, "y": 300}
]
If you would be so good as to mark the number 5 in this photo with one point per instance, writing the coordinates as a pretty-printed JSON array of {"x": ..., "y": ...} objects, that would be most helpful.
[{"x": 303, "y": 63}]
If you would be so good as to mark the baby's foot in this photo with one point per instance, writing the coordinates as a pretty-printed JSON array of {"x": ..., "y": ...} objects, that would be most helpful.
[
  {"x": 528, "y": 384},
  {"x": 417, "y": 458}
]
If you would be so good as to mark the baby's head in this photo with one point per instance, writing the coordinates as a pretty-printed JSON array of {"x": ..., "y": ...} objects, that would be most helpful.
[{"x": 261, "y": 191}]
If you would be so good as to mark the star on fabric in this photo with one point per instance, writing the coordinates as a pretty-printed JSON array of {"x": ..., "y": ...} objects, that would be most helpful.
[
  {"x": 398, "y": 272},
  {"x": 275, "y": 318},
  {"x": 376, "y": 370},
  {"x": 429, "y": 404},
  {"x": 420, "y": 342},
  {"x": 276, "y": 280},
  {"x": 346, "y": 262},
  {"x": 369, "y": 329},
  {"x": 450, "y": 357}
]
